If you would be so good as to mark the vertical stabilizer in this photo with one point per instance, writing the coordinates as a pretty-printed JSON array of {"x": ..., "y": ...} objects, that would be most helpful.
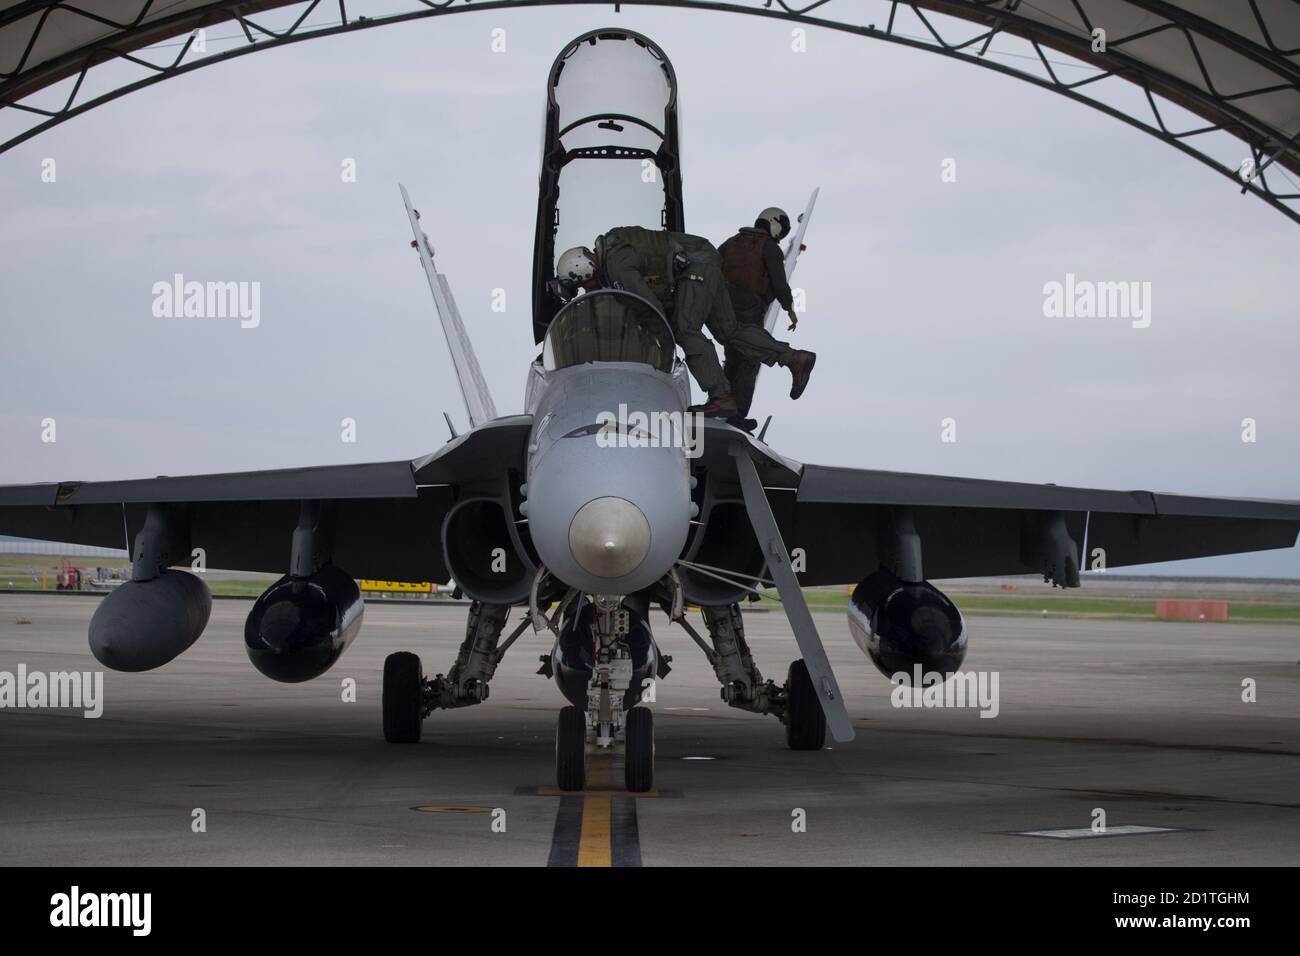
[{"x": 473, "y": 387}]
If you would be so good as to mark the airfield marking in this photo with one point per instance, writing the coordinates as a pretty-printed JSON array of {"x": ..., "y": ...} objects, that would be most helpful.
[
  {"x": 568, "y": 824},
  {"x": 1086, "y": 833},
  {"x": 593, "y": 828},
  {"x": 595, "y": 845},
  {"x": 444, "y": 808}
]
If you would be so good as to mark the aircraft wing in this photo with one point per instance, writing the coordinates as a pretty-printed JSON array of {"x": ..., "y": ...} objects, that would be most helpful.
[
  {"x": 473, "y": 387},
  {"x": 844, "y": 519},
  {"x": 388, "y": 514}
]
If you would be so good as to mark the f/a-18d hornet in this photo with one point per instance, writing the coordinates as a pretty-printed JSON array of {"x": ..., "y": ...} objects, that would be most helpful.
[{"x": 605, "y": 499}]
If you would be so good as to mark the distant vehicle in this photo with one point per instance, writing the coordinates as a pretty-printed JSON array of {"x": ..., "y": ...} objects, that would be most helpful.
[
  {"x": 68, "y": 577},
  {"x": 106, "y": 579}
]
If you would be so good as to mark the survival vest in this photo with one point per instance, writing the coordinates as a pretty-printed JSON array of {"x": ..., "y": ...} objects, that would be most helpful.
[
  {"x": 654, "y": 250},
  {"x": 742, "y": 262}
]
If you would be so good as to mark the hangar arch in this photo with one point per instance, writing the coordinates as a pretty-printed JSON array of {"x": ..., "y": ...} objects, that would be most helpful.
[{"x": 1217, "y": 81}]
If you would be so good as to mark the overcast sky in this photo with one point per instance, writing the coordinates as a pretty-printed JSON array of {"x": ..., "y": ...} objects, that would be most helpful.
[{"x": 924, "y": 297}]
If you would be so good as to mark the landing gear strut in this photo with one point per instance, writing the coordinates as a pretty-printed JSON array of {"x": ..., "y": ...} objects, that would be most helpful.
[
  {"x": 613, "y": 714},
  {"x": 795, "y": 704},
  {"x": 409, "y": 696},
  {"x": 742, "y": 684}
]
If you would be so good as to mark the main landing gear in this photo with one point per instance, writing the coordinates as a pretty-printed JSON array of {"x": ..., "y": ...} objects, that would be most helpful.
[
  {"x": 805, "y": 723},
  {"x": 605, "y": 662},
  {"x": 409, "y": 696},
  {"x": 795, "y": 703}
]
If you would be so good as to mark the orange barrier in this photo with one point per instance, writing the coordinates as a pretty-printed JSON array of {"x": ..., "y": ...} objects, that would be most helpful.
[{"x": 1192, "y": 610}]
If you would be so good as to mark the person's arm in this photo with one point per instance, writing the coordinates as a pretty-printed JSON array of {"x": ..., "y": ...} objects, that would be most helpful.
[{"x": 775, "y": 263}]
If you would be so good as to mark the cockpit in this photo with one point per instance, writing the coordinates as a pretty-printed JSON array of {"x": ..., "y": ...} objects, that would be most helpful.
[
  {"x": 609, "y": 152},
  {"x": 608, "y": 325}
]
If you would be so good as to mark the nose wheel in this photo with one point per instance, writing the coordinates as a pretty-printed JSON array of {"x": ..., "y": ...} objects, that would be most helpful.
[
  {"x": 574, "y": 736},
  {"x": 639, "y": 754},
  {"x": 571, "y": 749},
  {"x": 615, "y": 717}
]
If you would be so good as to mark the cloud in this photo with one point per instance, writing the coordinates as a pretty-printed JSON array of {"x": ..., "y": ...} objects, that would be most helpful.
[{"x": 924, "y": 297}]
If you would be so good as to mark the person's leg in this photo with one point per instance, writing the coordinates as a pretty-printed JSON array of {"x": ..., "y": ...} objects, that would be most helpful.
[
  {"x": 742, "y": 371},
  {"x": 754, "y": 343},
  {"x": 689, "y": 314},
  {"x": 742, "y": 376},
  {"x": 751, "y": 341},
  {"x": 757, "y": 344}
]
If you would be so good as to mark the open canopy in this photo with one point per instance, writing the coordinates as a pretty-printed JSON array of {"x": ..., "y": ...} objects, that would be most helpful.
[{"x": 609, "y": 150}]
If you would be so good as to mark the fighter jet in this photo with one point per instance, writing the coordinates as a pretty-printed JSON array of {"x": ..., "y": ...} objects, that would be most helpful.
[{"x": 603, "y": 500}]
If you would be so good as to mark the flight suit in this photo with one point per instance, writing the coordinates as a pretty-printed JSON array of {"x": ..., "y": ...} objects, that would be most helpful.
[
  {"x": 754, "y": 270},
  {"x": 641, "y": 261}
]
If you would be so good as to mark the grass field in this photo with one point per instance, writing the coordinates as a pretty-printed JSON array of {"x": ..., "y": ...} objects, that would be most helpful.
[
  {"x": 23, "y": 572},
  {"x": 1071, "y": 604}
]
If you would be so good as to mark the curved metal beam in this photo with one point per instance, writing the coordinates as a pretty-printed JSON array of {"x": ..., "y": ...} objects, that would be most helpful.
[
  {"x": 1267, "y": 145},
  {"x": 1270, "y": 56},
  {"x": 1208, "y": 103}
]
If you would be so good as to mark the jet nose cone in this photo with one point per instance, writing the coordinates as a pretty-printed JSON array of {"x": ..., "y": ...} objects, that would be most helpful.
[{"x": 609, "y": 537}]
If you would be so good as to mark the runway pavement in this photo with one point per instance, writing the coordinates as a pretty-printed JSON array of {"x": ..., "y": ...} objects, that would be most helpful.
[{"x": 1144, "y": 721}]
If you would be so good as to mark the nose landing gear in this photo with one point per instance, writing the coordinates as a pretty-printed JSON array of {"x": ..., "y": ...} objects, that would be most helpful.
[
  {"x": 639, "y": 750},
  {"x": 571, "y": 749},
  {"x": 614, "y": 718}
]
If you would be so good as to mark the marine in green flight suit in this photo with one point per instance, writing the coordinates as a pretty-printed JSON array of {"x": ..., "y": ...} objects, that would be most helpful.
[{"x": 684, "y": 274}]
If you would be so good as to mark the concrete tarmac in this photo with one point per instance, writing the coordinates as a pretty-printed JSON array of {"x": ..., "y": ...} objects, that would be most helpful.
[{"x": 1144, "y": 721}]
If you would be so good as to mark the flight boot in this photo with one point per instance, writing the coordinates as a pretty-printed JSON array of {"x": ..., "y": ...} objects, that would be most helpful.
[
  {"x": 800, "y": 363},
  {"x": 722, "y": 406}
]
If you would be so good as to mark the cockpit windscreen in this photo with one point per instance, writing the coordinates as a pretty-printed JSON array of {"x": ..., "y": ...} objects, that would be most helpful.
[{"x": 608, "y": 326}]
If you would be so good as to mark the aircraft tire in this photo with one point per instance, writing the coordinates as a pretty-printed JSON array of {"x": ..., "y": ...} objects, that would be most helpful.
[
  {"x": 403, "y": 698},
  {"x": 571, "y": 749},
  {"x": 639, "y": 755},
  {"x": 805, "y": 724}
]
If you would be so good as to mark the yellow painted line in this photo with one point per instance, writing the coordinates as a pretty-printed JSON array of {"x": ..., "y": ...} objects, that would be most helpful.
[
  {"x": 595, "y": 847},
  {"x": 595, "y": 842},
  {"x": 600, "y": 770}
]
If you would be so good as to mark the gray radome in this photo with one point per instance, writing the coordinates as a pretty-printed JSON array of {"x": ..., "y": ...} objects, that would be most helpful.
[{"x": 609, "y": 537}]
